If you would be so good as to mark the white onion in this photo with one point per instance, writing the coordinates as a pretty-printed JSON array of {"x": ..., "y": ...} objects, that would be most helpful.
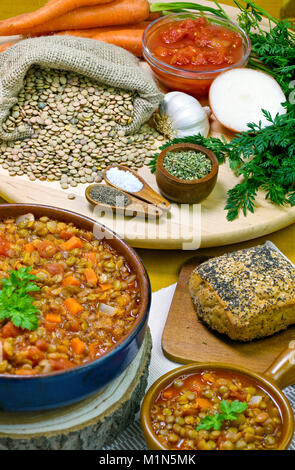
[
  {"x": 104, "y": 308},
  {"x": 46, "y": 366},
  {"x": 238, "y": 96},
  {"x": 255, "y": 400},
  {"x": 25, "y": 218}
]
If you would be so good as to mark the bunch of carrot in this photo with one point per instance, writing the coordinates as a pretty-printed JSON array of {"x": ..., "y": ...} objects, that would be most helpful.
[{"x": 119, "y": 22}]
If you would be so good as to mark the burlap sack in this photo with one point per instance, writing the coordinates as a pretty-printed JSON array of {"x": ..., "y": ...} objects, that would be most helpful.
[{"x": 100, "y": 61}]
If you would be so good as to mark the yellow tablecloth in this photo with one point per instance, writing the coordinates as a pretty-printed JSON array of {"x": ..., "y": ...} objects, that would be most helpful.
[{"x": 163, "y": 266}]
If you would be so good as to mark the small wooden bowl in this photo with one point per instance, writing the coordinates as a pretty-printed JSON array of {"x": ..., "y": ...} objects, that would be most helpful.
[{"x": 186, "y": 191}]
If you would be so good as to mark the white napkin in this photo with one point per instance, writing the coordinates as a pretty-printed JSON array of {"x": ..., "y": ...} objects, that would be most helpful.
[{"x": 132, "y": 438}]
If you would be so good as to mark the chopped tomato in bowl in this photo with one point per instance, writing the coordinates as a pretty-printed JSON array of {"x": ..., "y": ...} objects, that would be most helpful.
[{"x": 187, "y": 51}]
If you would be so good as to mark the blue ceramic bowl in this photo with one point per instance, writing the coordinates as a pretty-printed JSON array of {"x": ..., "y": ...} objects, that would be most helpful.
[{"x": 41, "y": 392}]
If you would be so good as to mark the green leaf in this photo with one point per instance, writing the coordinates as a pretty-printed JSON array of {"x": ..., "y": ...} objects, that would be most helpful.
[
  {"x": 228, "y": 412},
  {"x": 211, "y": 422},
  {"x": 16, "y": 303}
]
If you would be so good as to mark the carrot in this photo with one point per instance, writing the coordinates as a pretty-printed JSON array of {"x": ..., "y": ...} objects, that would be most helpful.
[
  {"x": 91, "y": 256},
  {"x": 71, "y": 244},
  {"x": 73, "y": 306},
  {"x": 29, "y": 247},
  {"x": 50, "y": 11},
  {"x": 129, "y": 39},
  {"x": 118, "y": 12},
  {"x": 105, "y": 286},
  {"x": 70, "y": 281},
  {"x": 168, "y": 394},
  {"x": 5, "y": 46},
  {"x": 25, "y": 372},
  {"x": 90, "y": 276},
  {"x": 53, "y": 318},
  {"x": 91, "y": 32},
  {"x": 78, "y": 346},
  {"x": 203, "y": 403}
]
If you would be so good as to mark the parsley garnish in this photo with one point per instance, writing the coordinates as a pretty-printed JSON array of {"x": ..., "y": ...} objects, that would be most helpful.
[
  {"x": 15, "y": 302},
  {"x": 228, "y": 412}
]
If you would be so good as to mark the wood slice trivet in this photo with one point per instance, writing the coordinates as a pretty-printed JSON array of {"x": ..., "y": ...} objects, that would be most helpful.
[
  {"x": 186, "y": 339},
  {"x": 88, "y": 425}
]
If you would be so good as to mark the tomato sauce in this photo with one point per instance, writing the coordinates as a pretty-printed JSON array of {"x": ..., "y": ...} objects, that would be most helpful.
[{"x": 196, "y": 45}]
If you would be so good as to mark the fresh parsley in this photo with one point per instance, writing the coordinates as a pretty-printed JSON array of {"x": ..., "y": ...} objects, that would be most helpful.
[
  {"x": 228, "y": 412},
  {"x": 15, "y": 302},
  {"x": 264, "y": 157}
]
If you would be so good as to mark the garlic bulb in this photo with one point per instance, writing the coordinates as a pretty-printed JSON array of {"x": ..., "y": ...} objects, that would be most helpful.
[{"x": 184, "y": 115}]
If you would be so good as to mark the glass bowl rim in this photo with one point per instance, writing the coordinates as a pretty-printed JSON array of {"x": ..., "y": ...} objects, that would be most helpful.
[{"x": 193, "y": 74}]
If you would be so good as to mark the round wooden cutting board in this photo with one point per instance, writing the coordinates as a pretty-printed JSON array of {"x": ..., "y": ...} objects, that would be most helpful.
[{"x": 189, "y": 227}]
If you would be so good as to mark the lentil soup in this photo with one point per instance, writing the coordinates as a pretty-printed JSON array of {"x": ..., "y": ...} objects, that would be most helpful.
[
  {"x": 88, "y": 297},
  {"x": 187, "y": 413}
]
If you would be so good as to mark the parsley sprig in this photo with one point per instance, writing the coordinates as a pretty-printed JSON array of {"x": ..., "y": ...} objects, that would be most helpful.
[
  {"x": 15, "y": 302},
  {"x": 228, "y": 412}
]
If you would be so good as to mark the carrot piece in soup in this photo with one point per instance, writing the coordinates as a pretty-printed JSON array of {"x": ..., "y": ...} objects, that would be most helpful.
[
  {"x": 91, "y": 257},
  {"x": 29, "y": 247},
  {"x": 204, "y": 403},
  {"x": 105, "y": 286},
  {"x": 73, "y": 306},
  {"x": 78, "y": 346},
  {"x": 71, "y": 244},
  {"x": 90, "y": 276},
  {"x": 53, "y": 318},
  {"x": 70, "y": 281},
  {"x": 25, "y": 372}
]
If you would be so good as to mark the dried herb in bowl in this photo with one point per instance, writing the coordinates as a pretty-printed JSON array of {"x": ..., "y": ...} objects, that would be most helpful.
[{"x": 187, "y": 164}]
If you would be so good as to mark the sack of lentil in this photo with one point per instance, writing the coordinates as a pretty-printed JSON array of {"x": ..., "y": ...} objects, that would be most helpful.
[{"x": 102, "y": 62}]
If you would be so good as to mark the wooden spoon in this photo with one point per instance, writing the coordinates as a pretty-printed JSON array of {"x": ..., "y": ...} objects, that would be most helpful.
[
  {"x": 136, "y": 206},
  {"x": 146, "y": 193}
]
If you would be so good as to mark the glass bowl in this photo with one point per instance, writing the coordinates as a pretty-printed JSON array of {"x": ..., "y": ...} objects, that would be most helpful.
[{"x": 194, "y": 82}]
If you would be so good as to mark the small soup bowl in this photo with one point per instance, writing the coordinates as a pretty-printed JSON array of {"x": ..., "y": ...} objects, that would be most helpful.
[
  {"x": 279, "y": 375},
  {"x": 186, "y": 191}
]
